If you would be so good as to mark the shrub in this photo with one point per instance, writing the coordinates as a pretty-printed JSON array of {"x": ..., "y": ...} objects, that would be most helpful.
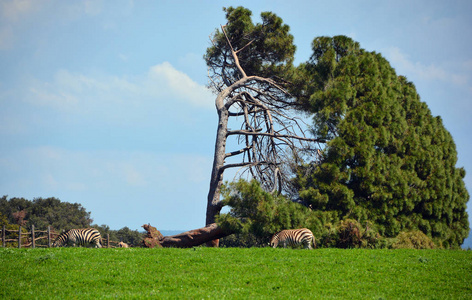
[
  {"x": 349, "y": 234},
  {"x": 371, "y": 237},
  {"x": 243, "y": 240},
  {"x": 255, "y": 215},
  {"x": 329, "y": 236},
  {"x": 413, "y": 240}
]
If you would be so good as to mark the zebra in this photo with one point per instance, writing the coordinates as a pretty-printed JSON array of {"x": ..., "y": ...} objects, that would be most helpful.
[
  {"x": 79, "y": 236},
  {"x": 293, "y": 237}
]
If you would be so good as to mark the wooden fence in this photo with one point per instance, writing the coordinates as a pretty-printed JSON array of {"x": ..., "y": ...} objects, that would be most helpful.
[{"x": 30, "y": 239}]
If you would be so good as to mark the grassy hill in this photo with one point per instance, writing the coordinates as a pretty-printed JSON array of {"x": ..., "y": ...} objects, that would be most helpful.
[{"x": 232, "y": 273}]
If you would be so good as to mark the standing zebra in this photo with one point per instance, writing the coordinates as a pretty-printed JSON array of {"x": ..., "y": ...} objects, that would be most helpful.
[
  {"x": 80, "y": 237},
  {"x": 293, "y": 237}
]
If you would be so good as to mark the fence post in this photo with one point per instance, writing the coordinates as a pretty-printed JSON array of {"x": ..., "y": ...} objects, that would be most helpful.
[
  {"x": 108, "y": 240},
  {"x": 19, "y": 237},
  {"x": 3, "y": 236},
  {"x": 49, "y": 236},
  {"x": 32, "y": 237}
]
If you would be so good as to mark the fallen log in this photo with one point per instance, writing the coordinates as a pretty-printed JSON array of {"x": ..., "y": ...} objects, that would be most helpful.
[{"x": 187, "y": 239}]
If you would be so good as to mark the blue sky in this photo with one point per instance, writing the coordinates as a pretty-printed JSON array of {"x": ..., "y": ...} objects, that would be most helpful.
[{"x": 104, "y": 103}]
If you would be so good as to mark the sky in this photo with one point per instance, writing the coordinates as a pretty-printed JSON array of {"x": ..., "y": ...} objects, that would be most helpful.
[{"x": 104, "y": 103}]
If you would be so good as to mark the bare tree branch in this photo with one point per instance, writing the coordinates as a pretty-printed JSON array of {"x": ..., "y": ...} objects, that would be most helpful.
[
  {"x": 274, "y": 135},
  {"x": 238, "y": 152},
  {"x": 235, "y": 56}
]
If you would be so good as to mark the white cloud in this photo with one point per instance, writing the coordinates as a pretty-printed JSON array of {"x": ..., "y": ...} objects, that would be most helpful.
[
  {"x": 20, "y": 17},
  {"x": 14, "y": 10},
  {"x": 431, "y": 72},
  {"x": 92, "y": 7},
  {"x": 181, "y": 85},
  {"x": 12, "y": 14},
  {"x": 59, "y": 100},
  {"x": 75, "y": 92}
]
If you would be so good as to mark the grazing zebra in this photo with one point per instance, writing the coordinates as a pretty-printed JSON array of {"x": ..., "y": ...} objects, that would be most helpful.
[
  {"x": 80, "y": 237},
  {"x": 293, "y": 237}
]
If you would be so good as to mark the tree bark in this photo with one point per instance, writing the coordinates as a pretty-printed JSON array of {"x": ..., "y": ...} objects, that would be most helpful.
[
  {"x": 192, "y": 238},
  {"x": 213, "y": 202}
]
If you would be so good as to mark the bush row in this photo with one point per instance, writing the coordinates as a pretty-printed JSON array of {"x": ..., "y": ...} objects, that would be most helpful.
[{"x": 344, "y": 234}]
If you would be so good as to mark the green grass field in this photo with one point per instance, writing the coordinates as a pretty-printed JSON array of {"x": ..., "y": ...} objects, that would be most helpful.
[{"x": 233, "y": 273}]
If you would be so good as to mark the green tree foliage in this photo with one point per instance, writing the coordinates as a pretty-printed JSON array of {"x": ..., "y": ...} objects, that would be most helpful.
[
  {"x": 3, "y": 220},
  {"x": 44, "y": 212},
  {"x": 255, "y": 215},
  {"x": 131, "y": 237},
  {"x": 264, "y": 49},
  {"x": 59, "y": 215},
  {"x": 11, "y": 235},
  {"x": 387, "y": 159},
  {"x": 257, "y": 212}
]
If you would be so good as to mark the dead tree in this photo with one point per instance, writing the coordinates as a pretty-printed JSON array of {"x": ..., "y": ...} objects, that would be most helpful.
[
  {"x": 270, "y": 135},
  {"x": 188, "y": 239}
]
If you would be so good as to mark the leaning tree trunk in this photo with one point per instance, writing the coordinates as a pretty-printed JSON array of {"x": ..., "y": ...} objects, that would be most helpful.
[
  {"x": 213, "y": 202},
  {"x": 186, "y": 239},
  {"x": 216, "y": 180}
]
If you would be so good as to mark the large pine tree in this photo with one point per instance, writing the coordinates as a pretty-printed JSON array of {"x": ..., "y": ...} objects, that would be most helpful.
[{"x": 387, "y": 159}]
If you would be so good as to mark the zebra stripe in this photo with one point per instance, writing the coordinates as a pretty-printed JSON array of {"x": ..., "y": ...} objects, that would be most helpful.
[
  {"x": 79, "y": 237},
  {"x": 293, "y": 237}
]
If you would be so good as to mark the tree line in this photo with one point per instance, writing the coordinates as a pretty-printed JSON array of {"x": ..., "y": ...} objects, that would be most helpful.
[{"x": 44, "y": 212}]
